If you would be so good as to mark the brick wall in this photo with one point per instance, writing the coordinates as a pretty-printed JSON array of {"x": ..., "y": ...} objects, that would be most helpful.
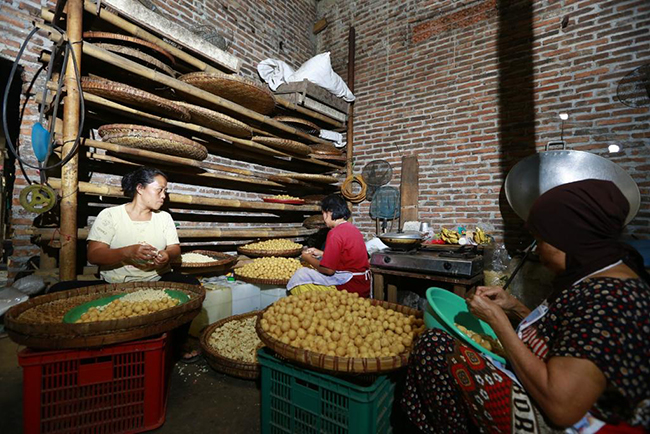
[
  {"x": 257, "y": 30},
  {"x": 471, "y": 87}
]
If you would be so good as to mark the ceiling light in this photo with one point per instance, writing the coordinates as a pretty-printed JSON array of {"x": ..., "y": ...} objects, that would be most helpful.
[
  {"x": 613, "y": 149},
  {"x": 564, "y": 116}
]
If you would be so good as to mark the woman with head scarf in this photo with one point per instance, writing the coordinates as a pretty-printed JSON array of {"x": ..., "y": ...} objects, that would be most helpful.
[{"x": 578, "y": 362}]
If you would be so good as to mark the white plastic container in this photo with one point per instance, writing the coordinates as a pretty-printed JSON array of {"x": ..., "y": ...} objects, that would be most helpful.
[
  {"x": 269, "y": 294},
  {"x": 245, "y": 297},
  {"x": 216, "y": 306}
]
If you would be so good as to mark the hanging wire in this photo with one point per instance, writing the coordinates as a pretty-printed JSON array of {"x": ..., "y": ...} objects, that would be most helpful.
[{"x": 41, "y": 167}]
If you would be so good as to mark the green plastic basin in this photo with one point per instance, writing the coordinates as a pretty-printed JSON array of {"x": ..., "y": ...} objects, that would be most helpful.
[{"x": 446, "y": 308}]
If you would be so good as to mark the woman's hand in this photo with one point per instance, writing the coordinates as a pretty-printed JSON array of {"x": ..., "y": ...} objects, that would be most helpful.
[
  {"x": 140, "y": 253},
  {"x": 482, "y": 307},
  {"x": 510, "y": 305},
  {"x": 313, "y": 251},
  {"x": 161, "y": 259}
]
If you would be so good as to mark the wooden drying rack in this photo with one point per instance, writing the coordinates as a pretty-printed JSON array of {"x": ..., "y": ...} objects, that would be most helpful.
[{"x": 69, "y": 233}]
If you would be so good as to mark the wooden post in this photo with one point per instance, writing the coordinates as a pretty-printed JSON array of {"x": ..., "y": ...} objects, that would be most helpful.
[
  {"x": 349, "y": 162},
  {"x": 70, "y": 171},
  {"x": 409, "y": 190}
]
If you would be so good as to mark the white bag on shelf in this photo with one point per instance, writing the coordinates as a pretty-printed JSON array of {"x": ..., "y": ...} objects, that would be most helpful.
[{"x": 319, "y": 71}]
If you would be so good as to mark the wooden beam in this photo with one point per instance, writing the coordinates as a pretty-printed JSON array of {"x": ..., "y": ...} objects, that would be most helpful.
[
  {"x": 409, "y": 189},
  {"x": 320, "y": 25},
  {"x": 206, "y": 232}
]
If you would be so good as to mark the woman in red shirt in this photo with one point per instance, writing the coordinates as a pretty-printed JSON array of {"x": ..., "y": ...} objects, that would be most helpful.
[{"x": 344, "y": 263}]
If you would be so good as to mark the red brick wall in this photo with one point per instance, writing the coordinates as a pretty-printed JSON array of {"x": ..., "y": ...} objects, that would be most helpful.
[
  {"x": 427, "y": 83},
  {"x": 259, "y": 30}
]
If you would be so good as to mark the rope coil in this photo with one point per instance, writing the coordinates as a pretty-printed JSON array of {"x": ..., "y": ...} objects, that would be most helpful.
[{"x": 346, "y": 189}]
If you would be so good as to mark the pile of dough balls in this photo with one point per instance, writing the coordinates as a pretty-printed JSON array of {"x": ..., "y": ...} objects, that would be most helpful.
[
  {"x": 275, "y": 245},
  {"x": 338, "y": 323},
  {"x": 485, "y": 341},
  {"x": 270, "y": 268},
  {"x": 133, "y": 304},
  {"x": 237, "y": 340},
  {"x": 284, "y": 197}
]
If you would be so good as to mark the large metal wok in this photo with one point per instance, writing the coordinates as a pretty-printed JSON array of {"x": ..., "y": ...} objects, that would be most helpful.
[
  {"x": 408, "y": 240},
  {"x": 536, "y": 174}
]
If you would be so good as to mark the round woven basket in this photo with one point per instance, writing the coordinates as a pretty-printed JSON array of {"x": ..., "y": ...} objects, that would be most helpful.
[
  {"x": 242, "y": 250},
  {"x": 299, "y": 123},
  {"x": 236, "y": 368},
  {"x": 217, "y": 121},
  {"x": 284, "y": 144},
  {"x": 220, "y": 260},
  {"x": 132, "y": 96},
  {"x": 278, "y": 282},
  {"x": 152, "y": 139},
  {"x": 324, "y": 149},
  {"x": 323, "y": 362},
  {"x": 132, "y": 41},
  {"x": 237, "y": 89},
  {"x": 38, "y": 322},
  {"x": 138, "y": 56},
  {"x": 314, "y": 177}
]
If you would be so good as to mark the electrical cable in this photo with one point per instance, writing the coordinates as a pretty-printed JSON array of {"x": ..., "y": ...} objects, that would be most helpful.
[{"x": 82, "y": 108}]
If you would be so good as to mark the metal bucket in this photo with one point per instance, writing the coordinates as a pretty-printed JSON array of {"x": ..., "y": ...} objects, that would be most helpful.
[{"x": 536, "y": 174}]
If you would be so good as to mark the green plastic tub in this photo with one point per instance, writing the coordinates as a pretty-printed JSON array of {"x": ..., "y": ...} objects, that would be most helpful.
[{"x": 446, "y": 308}]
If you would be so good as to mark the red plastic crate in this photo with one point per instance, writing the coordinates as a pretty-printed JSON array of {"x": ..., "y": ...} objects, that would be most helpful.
[{"x": 115, "y": 389}]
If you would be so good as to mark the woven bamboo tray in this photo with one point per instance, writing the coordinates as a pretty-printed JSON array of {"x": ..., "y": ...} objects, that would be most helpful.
[
  {"x": 278, "y": 282},
  {"x": 152, "y": 139},
  {"x": 237, "y": 89},
  {"x": 242, "y": 250},
  {"x": 220, "y": 260},
  {"x": 236, "y": 368},
  {"x": 325, "y": 363},
  {"x": 132, "y": 96},
  {"x": 284, "y": 144},
  {"x": 299, "y": 123},
  {"x": 132, "y": 41},
  {"x": 324, "y": 149},
  {"x": 137, "y": 56},
  {"x": 38, "y": 322},
  {"x": 217, "y": 121}
]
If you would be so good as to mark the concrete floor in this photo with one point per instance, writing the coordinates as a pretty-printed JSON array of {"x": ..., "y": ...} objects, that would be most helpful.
[{"x": 200, "y": 399}]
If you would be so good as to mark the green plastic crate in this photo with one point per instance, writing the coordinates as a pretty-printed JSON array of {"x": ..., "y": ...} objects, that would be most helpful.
[{"x": 296, "y": 400}]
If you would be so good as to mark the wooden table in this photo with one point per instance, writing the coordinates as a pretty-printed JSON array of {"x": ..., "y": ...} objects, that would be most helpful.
[{"x": 379, "y": 289}]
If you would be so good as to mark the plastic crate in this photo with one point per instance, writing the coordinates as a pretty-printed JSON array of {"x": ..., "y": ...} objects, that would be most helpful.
[
  {"x": 115, "y": 389},
  {"x": 296, "y": 400}
]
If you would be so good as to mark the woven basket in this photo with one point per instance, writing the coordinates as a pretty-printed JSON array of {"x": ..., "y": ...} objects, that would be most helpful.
[
  {"x": 314, "y": 177},
  {"x": 284, "y": 144},
  {"x": 132, "y": 96},
  {"x": 217, "y": 121},
  {"x": 236, "y": 368},
  {"x": 314, "y": 222},
  {"x": 277, "y": 282},
  {"x": 138, "y": 56},
  {"x": 132, "y": 41},
  {"x": 299, "y": 123},
  {"x": 324, "y": 149},
  {"x": 220, "y": 260},
  {"x": 237, "y": 89},
  {"x": 152, "y": 139},
  {"x": 38, "y": 322},
  {"x": 242, "y": 250},
  {"x": 325, "y": 363}
]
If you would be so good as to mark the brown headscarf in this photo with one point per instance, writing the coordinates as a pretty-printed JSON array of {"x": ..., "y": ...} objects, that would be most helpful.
[{"x": 584, "y": 219}]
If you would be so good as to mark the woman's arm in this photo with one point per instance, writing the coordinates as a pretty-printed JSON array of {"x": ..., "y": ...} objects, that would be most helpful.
[
  {"x": 164, "y": 256},
  {"x": 314, "y": 262},
  {"x": 101, "y": 254},
  {"x": 565, "y": 388}
]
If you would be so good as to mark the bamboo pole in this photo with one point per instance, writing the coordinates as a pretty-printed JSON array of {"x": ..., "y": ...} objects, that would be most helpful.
[
  {"x": 70, "y": 171},
  {"x": 305, "y": 111},
  {"x": 180, "y": 169},
  {"x": 207, "y": 232},
  {"x": 111, "y": 191},
  {"x": 352, "y": 35}
]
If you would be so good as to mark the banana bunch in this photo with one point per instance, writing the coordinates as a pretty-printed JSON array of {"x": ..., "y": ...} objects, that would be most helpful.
[
  {"x": 480, "y": 237},
  {"x": 449, "y": 237}
]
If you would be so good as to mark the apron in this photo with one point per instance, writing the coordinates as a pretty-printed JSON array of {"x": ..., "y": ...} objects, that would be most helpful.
[{"x": 309, "y": 275}]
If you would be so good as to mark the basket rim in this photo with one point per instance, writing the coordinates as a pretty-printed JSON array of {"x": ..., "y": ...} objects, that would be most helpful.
[
  {"x": 136, "y": 53},
  {"x": 284, "y": 144},
  {"x": 316, "y": 177},
  {"x": 342, "y": 364},
  {"x": 227, "y": 259},
  {"x": 266, "y": 253},
  {"x": 224, "y": 121},
  {"x": 132, "y": 39},
  {"x": 304, "y": 123},
  {"x": 213, "y": 355},
  {"x": 282, "y": 282}
]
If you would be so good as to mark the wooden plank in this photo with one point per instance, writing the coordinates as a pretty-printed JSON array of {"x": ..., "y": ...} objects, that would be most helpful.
[
  {"x": 136, "y": 12},
  {"x": 320, "y": 25},
  {"x": 409, "y": 189},
  {"x": 433, "y": 277}
]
